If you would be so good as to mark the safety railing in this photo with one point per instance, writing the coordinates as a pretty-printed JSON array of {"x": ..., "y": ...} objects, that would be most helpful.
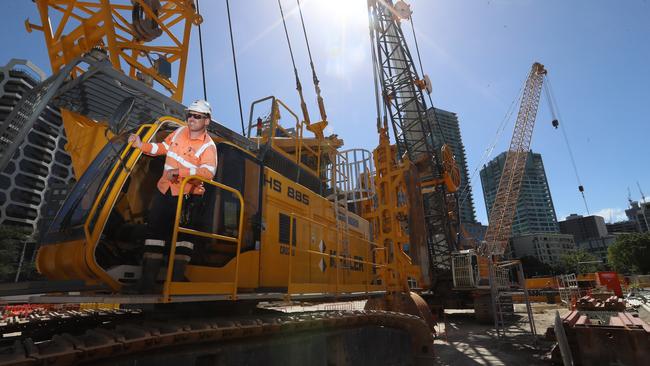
[
  {"x": 464, "y": 272},
  {"x": 339, "y": 260},
  {"x": 353, "y": 174},
  {"x": 296, "y": 136},
  {"x": 567, "y": 286},
  {"x": 168, "y": 288}
]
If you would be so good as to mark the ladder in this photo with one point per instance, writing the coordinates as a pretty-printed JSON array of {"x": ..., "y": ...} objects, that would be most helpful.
[
  {"x": 340, "y": 183},
  {"x": 507, "y": 282},
  {"x": 568, "y": 288}
]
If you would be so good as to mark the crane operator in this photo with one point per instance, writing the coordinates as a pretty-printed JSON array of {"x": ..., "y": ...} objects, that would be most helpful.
[{"x": 189, "y": 151}]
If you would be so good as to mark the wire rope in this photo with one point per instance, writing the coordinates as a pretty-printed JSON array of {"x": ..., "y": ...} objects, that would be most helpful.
[
  {"x": 315, "y": 80},
  {"x": 234, "y": 62},
  {"x": 488, "y": 151},
  {"x": 433, "y": 109},
  {"x": 375, "y": 72},
  {"x": 550, "y": 97},
  {"x": 303, "y": 106},
  {"x": 205, "y": 90}
]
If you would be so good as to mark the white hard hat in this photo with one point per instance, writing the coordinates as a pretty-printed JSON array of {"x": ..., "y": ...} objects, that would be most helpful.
[{"x": 200, "y": 106}]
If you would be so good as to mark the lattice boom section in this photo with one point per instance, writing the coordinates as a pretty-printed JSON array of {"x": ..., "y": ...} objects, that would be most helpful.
[{"x": 505, "y": 203}]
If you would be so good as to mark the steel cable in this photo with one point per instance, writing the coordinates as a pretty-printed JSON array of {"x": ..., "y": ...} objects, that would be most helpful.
[{"x": 234, "y": 61}]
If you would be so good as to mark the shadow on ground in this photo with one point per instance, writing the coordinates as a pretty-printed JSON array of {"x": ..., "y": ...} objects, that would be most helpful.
[{"x": 470, "y": 343}]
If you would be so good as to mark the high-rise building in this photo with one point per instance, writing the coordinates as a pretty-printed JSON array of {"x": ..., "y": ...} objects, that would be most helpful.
[
  {"x": 638, "y": 219},
  {"x": 583, "y": 228},
  {"x": 623, "y": 227},
  {"x": 590, "y": 234},
  {"x": 547, "y": 247},
  {"x": 535, "y": 210},
  {"x": 639, "y": 213},
  {"x": 40, "y": 159},
  {"x": 446, "y": 129}
]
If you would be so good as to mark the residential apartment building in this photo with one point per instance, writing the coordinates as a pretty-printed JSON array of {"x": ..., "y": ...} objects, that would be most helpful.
[
  {"x": 535, "y": 211},
  {"x": 40, "y": 159},
  {"x": 446, "y": 129}
]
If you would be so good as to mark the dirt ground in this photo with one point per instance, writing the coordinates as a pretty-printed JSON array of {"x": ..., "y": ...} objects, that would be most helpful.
[
  {"x": 467, "y": 342},
  {"x": 463, "y": 341}
]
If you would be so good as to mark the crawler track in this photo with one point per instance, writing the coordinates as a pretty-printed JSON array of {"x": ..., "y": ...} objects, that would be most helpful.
[
  {"x": 43, "y": 325},
  {"x": 334, "y": 337}
]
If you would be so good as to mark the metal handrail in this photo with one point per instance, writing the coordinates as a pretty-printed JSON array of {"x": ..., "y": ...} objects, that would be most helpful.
[
  {"x": 177, "y": 229},
  {"x": 128, "y": 164},
  {"x": 298, "y": 145},
  {"x": 106, "y": 189}
]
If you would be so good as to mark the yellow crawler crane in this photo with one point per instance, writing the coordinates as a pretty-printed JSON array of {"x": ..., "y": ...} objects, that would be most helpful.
[
  {"x": 485, "y": 272},
  {"x": 274, "y": 225},
  {"x": 267, "y": 232}
]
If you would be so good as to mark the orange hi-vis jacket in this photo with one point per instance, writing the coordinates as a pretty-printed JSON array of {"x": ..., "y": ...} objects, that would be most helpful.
[{"x": 190, "y": 156}]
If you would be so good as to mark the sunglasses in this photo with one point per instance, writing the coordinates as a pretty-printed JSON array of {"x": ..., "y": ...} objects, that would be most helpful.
[{"x": 196, "y": 116}]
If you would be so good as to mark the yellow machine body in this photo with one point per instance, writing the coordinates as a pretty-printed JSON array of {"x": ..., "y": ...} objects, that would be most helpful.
[{"x": 269, "y": 233}]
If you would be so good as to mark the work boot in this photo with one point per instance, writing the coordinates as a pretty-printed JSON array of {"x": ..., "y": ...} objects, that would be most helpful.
[
  {"x": 151, "y": 262},
  {"x": 181, "y": 259}
]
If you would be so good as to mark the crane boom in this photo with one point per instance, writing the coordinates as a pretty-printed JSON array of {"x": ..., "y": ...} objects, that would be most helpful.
[
  {"x": 505, "y": 204},
  {"x": 123, "y": 35}
]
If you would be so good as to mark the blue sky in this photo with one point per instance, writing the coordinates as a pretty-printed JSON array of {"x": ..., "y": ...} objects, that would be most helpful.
[{"x": 477, "y": 53}]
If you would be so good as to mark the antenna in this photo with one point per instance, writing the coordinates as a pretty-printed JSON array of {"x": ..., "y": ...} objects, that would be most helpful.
[
  {"x": 640, "y": 191},
  {"x": 629, "y": 196},
  {"x": 643, "y": 208}
]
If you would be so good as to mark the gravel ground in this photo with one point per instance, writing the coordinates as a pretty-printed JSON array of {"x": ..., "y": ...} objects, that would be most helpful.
[{"x": 463, "y": 341}]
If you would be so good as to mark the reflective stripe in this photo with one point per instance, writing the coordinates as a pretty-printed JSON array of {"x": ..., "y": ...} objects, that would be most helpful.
[
  {"x": 182, "y": 258},
  {"x": 176, "y": 133},
  {"x": 154, "y": 242},
  {"x": 165, "y": 145},
  {"x": 205, "y": 146},
  {"x": 212, "y": 169},
  {"x": 169, "y": 167},
  {"x": 185, "y": 244},
  {"x": 148, "y": 255},
  {"x": 154, "y": 148},
  {"x": 192, "y": 171},
  {"x": 180, "y": 160}
]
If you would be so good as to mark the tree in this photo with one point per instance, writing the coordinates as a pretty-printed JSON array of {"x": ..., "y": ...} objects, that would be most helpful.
[
  {"x": 534, "y": 267},
  {"x": 12, "y": 239},
  {"x": 579, "y": 262},
  {"x": 630, "y": 253}
]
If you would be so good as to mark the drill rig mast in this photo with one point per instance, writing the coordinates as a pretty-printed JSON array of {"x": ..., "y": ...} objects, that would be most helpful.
[{"x": 404, "y": 104}]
